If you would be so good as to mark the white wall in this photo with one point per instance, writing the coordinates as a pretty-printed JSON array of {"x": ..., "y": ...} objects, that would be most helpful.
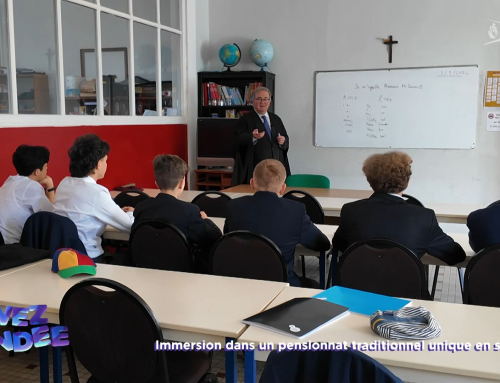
[{"x": 345, "y": 34}]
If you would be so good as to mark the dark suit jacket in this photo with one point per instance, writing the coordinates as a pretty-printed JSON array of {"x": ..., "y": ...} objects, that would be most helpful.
[
  {"x": 484, "y": 227},
  {"x": 183, "y": 215},
  {"x": 283, "y": 221},
  {"x": 247, "y": 154},
  {"x": 387, "y": 216}
]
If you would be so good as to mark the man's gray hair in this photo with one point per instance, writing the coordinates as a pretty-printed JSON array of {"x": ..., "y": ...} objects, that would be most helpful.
[{"x": 261, "y": 89}]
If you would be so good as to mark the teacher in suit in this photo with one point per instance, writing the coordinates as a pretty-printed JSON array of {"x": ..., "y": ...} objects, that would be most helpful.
[
  {"x": 260, "y": 135},
  {"x": 387, "y": 215}
]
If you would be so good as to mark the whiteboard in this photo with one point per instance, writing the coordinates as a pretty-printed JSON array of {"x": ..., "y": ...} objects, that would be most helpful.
[{"x": 434, "y": 108}]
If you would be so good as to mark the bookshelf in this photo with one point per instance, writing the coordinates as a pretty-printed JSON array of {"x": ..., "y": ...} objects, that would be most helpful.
[
  {"x": 234, "y": 80},
  {"x": 212, "y": 179}
]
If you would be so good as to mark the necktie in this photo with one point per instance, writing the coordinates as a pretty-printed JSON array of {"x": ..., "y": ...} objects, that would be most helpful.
[{"x": 266, "y": 124}]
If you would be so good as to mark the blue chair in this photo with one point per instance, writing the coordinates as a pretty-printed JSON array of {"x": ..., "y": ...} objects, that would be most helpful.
[{"x": 326, "y": 367}]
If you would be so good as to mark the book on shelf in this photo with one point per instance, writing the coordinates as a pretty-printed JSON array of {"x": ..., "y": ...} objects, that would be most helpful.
[
  {"x": 220, "y": 95},
  {"x": 230, "y": 113}
]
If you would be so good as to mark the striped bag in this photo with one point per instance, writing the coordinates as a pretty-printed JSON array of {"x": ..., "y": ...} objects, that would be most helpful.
[{"x": 407, "y": 323}]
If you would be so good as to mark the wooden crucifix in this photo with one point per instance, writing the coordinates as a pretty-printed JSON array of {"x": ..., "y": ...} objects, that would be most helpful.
[{"x": 390, "y": 42}]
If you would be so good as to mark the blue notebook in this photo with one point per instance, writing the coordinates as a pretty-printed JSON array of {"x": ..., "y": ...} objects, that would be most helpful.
[{"x": 361, "y": 302}]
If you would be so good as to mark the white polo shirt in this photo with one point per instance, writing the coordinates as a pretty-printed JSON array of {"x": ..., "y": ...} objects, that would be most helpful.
[
  {"x": 90, "y": 206},
  {"x": 20, "y": 197}
]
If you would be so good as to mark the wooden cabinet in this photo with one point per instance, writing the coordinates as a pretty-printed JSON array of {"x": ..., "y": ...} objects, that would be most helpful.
[
  {"x": 32, "y": 94},
  {"x": 212, "y": 179}
]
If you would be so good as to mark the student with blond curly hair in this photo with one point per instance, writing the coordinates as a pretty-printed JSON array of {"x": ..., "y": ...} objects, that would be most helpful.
[{"x": 387, "y": 215}]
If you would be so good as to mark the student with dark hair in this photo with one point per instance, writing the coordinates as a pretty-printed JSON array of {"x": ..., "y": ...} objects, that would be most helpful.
[
  {"x": 88, "y": 204},
  {"x": 170, "y": 172},
  {"x": 28, "y": 192},
  {"x": 387, "y": 215}
]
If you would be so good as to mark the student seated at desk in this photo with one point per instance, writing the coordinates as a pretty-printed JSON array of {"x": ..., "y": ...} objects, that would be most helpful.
[
  {"x": 484, "y": 227},
  {"x": 283, "y": 221},
  {"x": 170, "y": 175},
  {"x": 88, "y": 204},
  {"x": 28, "y": 192},
  {"x": 387, "y": 215}
]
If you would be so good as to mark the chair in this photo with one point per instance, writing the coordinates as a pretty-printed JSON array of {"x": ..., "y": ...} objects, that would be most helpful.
[
  {"x": 349, "y": 366},
  {"x": 49, "y": 231},
  {"x": 308, "y": 181},
  {"x": 243, "y": 254},
  {"x": 384, "y": 267},
  {"x": 112, "y": 332},
  {"x": 160, "y": 245},
  {"x": 481, "y": 283},
  {"x": 313, "y": 210},
  {"x": 130, "y": 198},
  {"x": 213, "y": 203},
  {"x": 412, "y": 200}
]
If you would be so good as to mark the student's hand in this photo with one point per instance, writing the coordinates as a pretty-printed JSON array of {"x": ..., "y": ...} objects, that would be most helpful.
[
  {"x": 126, "y": 209},
  {"x": 203, "y": 215},
  {"x": 47, "y": 182},
  {"x": 258, "y": 135},
  {"x": 281, "y": 140}
]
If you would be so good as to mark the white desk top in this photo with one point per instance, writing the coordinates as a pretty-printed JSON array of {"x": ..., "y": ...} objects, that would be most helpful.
[
  {"x": 14, "y": 269},
  {"x": 181, "y": 301},
  {"x": 459, "y": 323}
]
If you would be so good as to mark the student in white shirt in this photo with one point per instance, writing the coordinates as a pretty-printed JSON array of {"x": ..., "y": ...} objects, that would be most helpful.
[
  {"x": 28, "y": 192},
  {"x": 88, "y": 204}
]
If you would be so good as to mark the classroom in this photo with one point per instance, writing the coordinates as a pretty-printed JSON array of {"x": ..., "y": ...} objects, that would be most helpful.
[{"x": 428, "y": 66}]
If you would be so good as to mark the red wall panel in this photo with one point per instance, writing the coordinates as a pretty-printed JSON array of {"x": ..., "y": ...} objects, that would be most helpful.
[{"x": 133, "y": 148}]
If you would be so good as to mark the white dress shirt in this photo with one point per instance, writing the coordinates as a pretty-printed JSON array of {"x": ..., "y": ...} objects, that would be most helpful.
[
  {"x": 90, "y": 206},
  {"x": 20, "y": 197}
]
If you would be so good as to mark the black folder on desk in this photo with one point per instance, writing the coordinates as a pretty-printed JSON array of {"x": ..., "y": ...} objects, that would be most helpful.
[{"x": 298, "y": 317}]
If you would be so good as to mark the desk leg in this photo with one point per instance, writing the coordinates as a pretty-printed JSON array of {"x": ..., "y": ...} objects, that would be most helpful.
[
  {"x": 231, "y": 364},
  {"x": 322, "y": 270},
  {"x": 333, "y": 267},
  {"x": 57, "y": 364},
  {"x": 250, "y": 367},
  {"x": 43, "y": 354}
]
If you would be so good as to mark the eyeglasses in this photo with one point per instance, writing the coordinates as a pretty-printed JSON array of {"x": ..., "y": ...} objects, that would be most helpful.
[{"x": 259, "y": 99}]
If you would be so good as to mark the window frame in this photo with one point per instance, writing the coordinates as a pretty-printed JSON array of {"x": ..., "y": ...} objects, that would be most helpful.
[{"x": 14, "y": 119}]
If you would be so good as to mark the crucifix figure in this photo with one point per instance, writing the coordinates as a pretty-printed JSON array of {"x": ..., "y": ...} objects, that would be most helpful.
[
  {"x": 49, "y": 55},
  {"x": 390, "y": 42}
]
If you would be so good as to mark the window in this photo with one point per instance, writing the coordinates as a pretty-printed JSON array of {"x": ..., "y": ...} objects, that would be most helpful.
[{"x": 117, "y": 59}]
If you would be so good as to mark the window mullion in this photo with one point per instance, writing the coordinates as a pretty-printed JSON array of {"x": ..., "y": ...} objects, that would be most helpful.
[
  {"x": 159, "y": 85},
  {"x": 12, "y": 58},
  {"x": 131, "y": 62},
  {"x": 98, "y": 46},
  {"x": 61, "y": 87}
]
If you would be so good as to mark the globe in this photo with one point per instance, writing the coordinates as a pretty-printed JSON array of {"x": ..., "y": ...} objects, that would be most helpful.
[
  {"x": 261, "y": 53},
  {"x": 230, "y": 55}
]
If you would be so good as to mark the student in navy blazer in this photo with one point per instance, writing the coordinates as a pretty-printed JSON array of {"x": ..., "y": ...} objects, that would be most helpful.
[
  {"x": 283, "y": 221},
  {"x": 484, "y": 227},
  {"x": 387, "y": 215}
]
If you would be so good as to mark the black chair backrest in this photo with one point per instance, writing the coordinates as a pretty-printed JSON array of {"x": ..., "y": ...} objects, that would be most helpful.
[
  {"x": 384, "y": 267},
  {"x": 213, "y": 203},
  {"x": 243, "y": 254},
  {"x": 49, "y": 231},
  {"x": 325, "y": 366},
  {"x": 412, "y": 200},
  {"x": 313, "y": 207},
  {"x": 494, "y": 203},
  {"x": 130, "y": 198},
  {"x": 160, "y": 245},
  {"x": 2, "y": 242},
  {"x": 112, "y": 333},
  {"x": 481, "y": 282}
]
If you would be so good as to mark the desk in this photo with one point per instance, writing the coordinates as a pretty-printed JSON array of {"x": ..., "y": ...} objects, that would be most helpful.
[
  {"x": 187, "y": 195},
  {"x": 189, "y": 307},
  {"x": 332, "y": 200},
  {"x": 459, "y": 323}
]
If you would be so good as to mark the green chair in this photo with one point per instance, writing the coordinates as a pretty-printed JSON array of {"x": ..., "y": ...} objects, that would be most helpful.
[{"x": 308, "y": 181}]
